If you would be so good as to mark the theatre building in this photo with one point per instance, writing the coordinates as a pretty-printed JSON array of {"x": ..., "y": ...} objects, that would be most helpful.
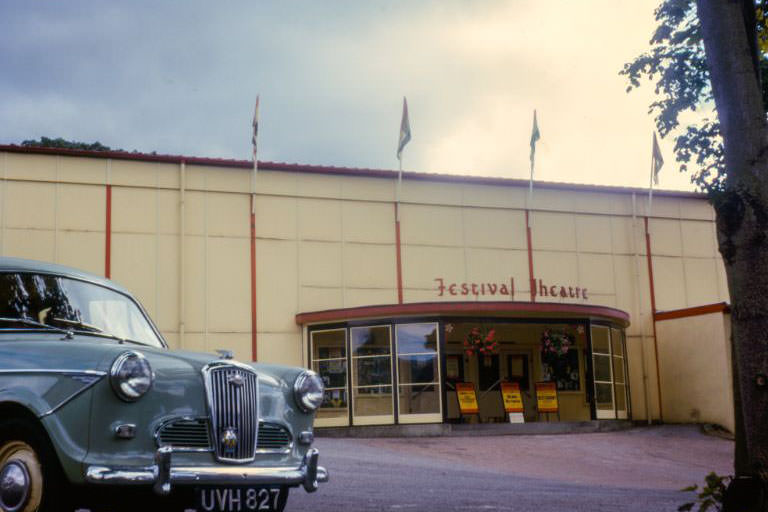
[{"x": 399, "y": 299}]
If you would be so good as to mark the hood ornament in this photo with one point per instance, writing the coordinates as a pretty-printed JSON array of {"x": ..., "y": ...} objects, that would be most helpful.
[{"x": 225, "y": 354}]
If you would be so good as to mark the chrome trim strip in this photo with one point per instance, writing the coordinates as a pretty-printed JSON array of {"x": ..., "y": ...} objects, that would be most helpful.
[
  {"x": 92, "y": 373},
  {"x": 96, "y": 375}
]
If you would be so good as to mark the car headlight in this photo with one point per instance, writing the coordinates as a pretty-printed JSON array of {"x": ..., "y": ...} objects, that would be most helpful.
[
  {"x": 131, "y": 376},
  {"x": 308, "y": 390}
]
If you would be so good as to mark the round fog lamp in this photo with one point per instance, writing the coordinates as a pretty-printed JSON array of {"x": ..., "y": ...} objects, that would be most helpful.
[
  {"x": 131, "y": 376},
  {"x": 309, "y": 391}
]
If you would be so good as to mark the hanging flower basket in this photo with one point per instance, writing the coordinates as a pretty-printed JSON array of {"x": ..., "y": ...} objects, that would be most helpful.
[
  {"x": 481, "y": 342},
  {"x": 555, "y": 345}
]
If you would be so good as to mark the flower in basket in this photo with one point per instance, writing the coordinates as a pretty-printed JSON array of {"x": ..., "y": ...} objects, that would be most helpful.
[
  {"x": 555, "y": 344},
  {"x": 481, "y": 342}
]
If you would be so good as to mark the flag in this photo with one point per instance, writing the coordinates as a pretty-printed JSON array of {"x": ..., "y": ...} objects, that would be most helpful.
[
  {"x": 255, "y": 130},
  {"x": 535, "y": 135},
  {"x": 405, "y": 130},
  {"x": 657, "y": 161}
]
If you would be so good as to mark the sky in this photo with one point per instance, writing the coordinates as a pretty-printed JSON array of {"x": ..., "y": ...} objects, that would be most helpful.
[{"x": 182, "y": 76}]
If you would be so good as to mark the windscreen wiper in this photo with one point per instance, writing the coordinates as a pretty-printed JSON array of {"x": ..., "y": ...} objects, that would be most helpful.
[
  {"x": 38, "y": 325},
  {"x": 93, "y": 330}
]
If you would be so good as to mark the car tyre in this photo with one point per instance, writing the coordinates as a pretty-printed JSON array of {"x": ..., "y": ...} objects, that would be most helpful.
[{"x": 31, "y": 479}]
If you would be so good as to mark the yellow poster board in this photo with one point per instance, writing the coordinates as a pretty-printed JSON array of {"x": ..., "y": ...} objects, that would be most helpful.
[
  {"x": 465, "y": 391},
  {"x": 513, "y": 400},
  {"x": 546, "y": 397}
]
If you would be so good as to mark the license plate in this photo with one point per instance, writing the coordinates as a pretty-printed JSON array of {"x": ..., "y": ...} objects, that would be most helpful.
[{"x": 241, "y": 499}]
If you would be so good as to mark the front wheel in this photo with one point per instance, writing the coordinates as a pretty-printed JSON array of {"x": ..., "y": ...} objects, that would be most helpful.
[{"x": 30, "y": 478}]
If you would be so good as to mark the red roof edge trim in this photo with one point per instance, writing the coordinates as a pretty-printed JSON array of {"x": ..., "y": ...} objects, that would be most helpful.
[
  {"x": 720, "y": 307},
  {"x": 342, "y": 171},
  {"x": 519, "y": 309}
]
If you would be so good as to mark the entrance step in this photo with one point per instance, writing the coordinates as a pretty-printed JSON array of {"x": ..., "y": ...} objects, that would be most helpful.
[{"x": 483, "y": 429}]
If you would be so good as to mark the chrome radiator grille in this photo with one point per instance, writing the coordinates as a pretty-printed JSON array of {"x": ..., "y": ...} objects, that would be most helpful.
[{"x": 233, "y": 402}]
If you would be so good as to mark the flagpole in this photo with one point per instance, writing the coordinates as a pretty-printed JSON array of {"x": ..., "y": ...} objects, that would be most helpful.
[
  {"x": 650, "y": 184},
  {"x": 254, "y": 141},
  {"x": 399, "y": 187}
]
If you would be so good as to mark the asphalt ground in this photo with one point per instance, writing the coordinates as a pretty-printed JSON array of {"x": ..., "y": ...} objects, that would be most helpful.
[{"x": 641, "y": 469}]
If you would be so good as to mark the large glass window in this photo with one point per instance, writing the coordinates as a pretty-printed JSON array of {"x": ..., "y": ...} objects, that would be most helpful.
[
  {"x": 329, "y": 360},
  {"x": 371, "y": 351},
  {"x": 418, "y": 373},
  {"x": 610, "y": 372}
]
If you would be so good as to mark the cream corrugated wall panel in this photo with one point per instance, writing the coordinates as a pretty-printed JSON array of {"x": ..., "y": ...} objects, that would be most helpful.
[
  {"x": 369, "y": 189},
  {"x": 369, "y": 266},
  {"x": 669, "y": 283},
  {"x": 172, "y": 338},
  {"x": 168, "y": 211},
  {"x": 596, "y": 273},
  {"x": 665, "y": 237},
  {"x": 625, "y": 268},
  {"x": 228, "y": 215},
  {"x": 493, "y": 228},
  {"x": 553, "y": 231},
  {"x": 194, "y": 342},
  {"x": 130, "y": 173},
  {"x": 81, "y": 249},
  {"x": 30, "y": 205},
  {"x": 277, "y": 285},
  {"x": 554, "y": 200},
  {"x": 430, "y": 192},
  {"x": 320, "y": 264},
  {"x": 276, "y": 183},
  {"x": 168, "y": 283},
  {"x": 281, "y": 347},
  {"x": 486, "y": 196},
  {"x": 168, "y": 175},
  {"x": 134, "y": 210},
  {"x": 593, "y": 233},
  {"x": 134, "y": 266},
  {"x": 592, "y": 202},
  {"x": 557, "y": 268},
  {"x": 82, "y": 207},
  {"x": 318, "y": 185},
  {"x": 665, "y": 207},
  {"x": 422, "y": 264},
  {"x": 622, "y": 229},
  {"x": 319, "y": 219},
  {"x": 229, "y": 284},
  {"x": 496, "y": 266},
  {"x": 31, "y": 167},
  {"x": 701, "y": 281},
  {"x": 194, "y": 284},
  {"x": 83, "y": 170},
  {"x": 313, "y": 298},
  {"x": 33, "y": 244},
  {"x": 368, "y": 222},
  {"x": 697, "y": 239},
  {"x": 636, "y": 384},
  {"x": 276, "y": 217},
  {"x": 431, "y": 225},
  {"x": 354, "y": 297},
  {"x": 222, "y": 179},
  {"x": 694, "y": 208},
  {"x": 194, "y": 213}
]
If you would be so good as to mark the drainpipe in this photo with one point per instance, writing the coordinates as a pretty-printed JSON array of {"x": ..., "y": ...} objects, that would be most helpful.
[
  {"x": 638, "y": 298},
  {"x": 182, "y": 244}
]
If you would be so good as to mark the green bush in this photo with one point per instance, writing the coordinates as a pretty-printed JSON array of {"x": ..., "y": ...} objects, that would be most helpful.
[{"x": 710, "y": 495}]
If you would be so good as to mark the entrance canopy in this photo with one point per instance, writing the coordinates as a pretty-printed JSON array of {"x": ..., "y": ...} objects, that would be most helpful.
[{"x": 496, "y": 309}]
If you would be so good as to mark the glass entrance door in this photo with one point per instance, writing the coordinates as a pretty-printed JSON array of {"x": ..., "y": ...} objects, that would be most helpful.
[
  {"x": 329, "y": 360},
  {"x": 609, "y": 373},
  {"x": 372, "y": 390},
  {"x": 418, "y": 373}
]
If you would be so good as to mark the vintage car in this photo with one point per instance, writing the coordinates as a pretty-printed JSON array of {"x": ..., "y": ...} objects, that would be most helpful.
[{"x": 94, "y": 406}]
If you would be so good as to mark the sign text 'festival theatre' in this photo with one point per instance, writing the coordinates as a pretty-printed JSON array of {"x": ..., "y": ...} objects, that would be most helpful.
[{"x": 507, "y": 288}]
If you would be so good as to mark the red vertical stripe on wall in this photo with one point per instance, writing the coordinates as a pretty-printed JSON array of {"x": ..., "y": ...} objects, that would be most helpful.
[
  {"x": 254, "y": 324},
  {"x": 531, "y": 279},
  {"x": 108, "y": 235},
  {"x": 649, "y": 257}
]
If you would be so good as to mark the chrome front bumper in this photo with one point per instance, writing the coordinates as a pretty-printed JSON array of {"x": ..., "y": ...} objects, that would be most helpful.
[{"x": 162, "y": 475}]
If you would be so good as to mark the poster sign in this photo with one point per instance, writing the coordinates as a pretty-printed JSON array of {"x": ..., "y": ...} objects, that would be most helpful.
[
  {"x": 546, "y": 396},
  {"x": 465, "y": 391},
  {"x": 513, "y": 400}
]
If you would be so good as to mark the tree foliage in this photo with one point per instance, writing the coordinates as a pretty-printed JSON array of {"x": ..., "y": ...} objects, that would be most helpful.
[
  {"x": 46, "y": 142},
  {"x": 677, "y": 66}
]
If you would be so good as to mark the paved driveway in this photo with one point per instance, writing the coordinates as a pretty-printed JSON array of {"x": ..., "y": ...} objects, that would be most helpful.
[{"x": 636, "y": 470}]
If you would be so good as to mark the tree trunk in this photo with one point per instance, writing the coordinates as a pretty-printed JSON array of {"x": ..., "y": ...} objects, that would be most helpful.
[{"x": 742, "y": 211}]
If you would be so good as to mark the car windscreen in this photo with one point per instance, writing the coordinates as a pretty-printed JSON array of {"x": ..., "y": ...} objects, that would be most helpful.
[{"x": 73, "y": 304}]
